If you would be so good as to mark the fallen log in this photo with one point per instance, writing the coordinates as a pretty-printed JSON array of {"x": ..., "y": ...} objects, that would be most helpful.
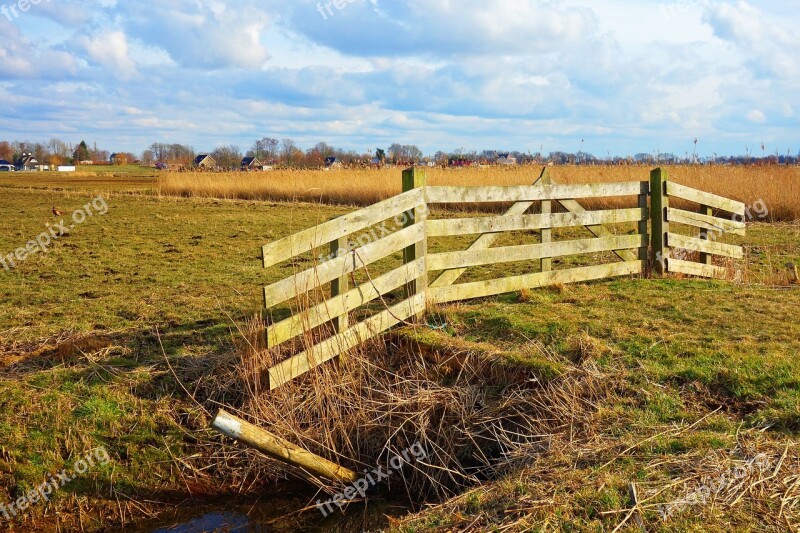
[{"x": 280, "y": 449}]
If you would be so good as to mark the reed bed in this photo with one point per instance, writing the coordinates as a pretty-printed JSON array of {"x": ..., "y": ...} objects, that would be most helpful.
[
  {"x": 777, "y": 186},
  {"x": 476, "y": 419}
]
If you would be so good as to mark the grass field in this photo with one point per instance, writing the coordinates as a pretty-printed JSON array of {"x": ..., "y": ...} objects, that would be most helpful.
[{"x": 688, "y": 379}]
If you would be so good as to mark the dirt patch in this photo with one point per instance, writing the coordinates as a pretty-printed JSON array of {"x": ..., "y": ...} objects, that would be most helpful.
[{"x": 64, "y": 350}]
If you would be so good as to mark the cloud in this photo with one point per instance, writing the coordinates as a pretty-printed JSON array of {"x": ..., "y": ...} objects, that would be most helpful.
[
  {"x": 109, "y": 50},
  {"x": 756, "y": 116},
  {"x": 767, "y": 43},
  {"x": 21, "y": 58},
  {"x": 209, "y": 34},
  {"x": 443, "y": 27}
]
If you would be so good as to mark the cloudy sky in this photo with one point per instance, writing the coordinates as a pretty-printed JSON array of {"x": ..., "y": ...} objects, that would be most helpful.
[{"x": 626, "y": 76}]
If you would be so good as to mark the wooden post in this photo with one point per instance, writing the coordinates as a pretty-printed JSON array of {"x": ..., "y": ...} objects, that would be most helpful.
[
  {"x": 341, "y": 285},
  {"x": 643, "y": 228},
  {"x": 414, "y": 178},
  {"x": 659, "y": 204},
  {"x": 280, "y": 449},
  {"x": 546, "y": 264},
  {"x": 706, "y": 259}
]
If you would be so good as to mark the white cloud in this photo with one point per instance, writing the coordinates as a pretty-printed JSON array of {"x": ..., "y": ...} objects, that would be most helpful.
[
  {"x": 756, "y": 116},
  {"x": 110, "y": 51}
]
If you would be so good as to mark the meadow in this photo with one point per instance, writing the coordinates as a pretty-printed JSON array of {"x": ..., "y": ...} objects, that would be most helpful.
[{"x": 126, "y": 332}]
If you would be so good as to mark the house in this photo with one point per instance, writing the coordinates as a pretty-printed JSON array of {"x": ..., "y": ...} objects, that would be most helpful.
[
  {"x": 6, "y": 166},
  {"x": 119, "y": 159},
  {"x": 27, "y": 163},
  {"x": 462, "y": 162},
  {"x": 506, "y": 159},
  {"x": 333, "y": 162},
  {"x": 204, "y": 161},
  {"x": 250, "y": 164}
]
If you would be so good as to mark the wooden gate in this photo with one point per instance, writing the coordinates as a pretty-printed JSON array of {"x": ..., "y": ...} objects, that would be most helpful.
[{"x": 324, "y": 296}]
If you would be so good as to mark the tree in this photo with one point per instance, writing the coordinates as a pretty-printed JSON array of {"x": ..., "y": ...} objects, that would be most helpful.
[
  {"x": 228, "y": 157},
  {"x": 265, "y": 149},
  {"x": 82, "y": 153},
  {"x": 380, "y": 155},
  {"x": 148, "y": 158},
  {"x": 6, "y": 151},
  {"x": 289, "y": 152}
]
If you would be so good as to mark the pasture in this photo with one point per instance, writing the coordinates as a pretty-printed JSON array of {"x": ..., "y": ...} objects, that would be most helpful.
[{"x": 120, "y": 336}]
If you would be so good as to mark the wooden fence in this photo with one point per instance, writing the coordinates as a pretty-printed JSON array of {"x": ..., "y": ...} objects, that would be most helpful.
[{"x": 323, "y": 295}]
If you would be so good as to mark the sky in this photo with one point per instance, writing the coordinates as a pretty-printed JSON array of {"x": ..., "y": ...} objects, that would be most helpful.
[{"x": 612, "y": 77}]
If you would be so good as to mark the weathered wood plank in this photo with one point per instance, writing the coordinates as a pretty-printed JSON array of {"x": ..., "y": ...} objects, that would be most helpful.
[
  {"x": 701, "y": 245},
  {"x": 697, "y": 269},
  {"x": 481, "y": 289},
  {"x": 706, "y": 198},
  {"x": 715, "y": 224},
  {"x": 497, "y": 224},
  {"x": 372, "y": 327},
  {"x": 485, "y": 241},
  {"x": 340, "y": 285},
  {"x": 601, "y": 231},
  {"x": 659, "y": 204},
  {"x": 342, "y": 304},
  {"x": 321, "y": 235},
  {"x": 459, "y": 195},
  {"x": 414, "y": 178},
  {"x": 307, "y": 280},
  {"x": 546, "y": 263},
  {"x": 532, "y": 252}
]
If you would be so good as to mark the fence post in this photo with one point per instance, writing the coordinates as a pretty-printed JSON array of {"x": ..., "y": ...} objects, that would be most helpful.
[
  {"x": 659, "y": 204},
  {"x": 414, "y": 178},
  {"x": 706, "y": 259},
  {"x": 339, "y": 286},
  {"x": 644, "y": 199},
  {"x": 546, "y": 264}
]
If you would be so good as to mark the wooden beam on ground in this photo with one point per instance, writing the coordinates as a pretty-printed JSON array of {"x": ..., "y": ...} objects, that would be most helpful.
[{"x": 281, "y": 449}]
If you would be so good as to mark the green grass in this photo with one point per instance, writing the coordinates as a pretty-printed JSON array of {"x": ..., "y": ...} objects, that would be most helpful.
[{"x": 81, "y": 364}]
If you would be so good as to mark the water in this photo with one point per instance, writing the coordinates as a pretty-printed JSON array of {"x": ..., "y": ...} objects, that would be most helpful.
[{"x": 274, "y": 513}]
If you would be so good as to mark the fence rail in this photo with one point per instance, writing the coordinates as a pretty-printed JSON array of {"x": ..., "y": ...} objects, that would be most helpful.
[{"x": 323, "y": 295}]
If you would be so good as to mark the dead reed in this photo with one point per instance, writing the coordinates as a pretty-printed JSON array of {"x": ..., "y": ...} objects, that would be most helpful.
[
  {"x": 476, "y": 419},
  {"x": 777, "y": 186}
]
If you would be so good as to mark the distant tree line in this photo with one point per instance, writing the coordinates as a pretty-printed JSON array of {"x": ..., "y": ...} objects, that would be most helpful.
[{"x": 286, "y": 153}]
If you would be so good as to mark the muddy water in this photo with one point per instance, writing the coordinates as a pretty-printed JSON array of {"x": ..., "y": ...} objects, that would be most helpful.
[{"x": 273, "y": 513}]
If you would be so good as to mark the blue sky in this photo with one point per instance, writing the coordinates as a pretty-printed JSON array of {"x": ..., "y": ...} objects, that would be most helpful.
[{"x": 625, "y": 76}]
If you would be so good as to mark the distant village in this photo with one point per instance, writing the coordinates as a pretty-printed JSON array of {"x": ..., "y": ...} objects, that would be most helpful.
[{"x": 269, "y": 154}]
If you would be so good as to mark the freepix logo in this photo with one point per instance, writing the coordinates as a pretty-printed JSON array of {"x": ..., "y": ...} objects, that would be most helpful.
[
  {"x": 372, "y": 478},
  {"x": 43, "y": 492},
  {"x": 22, "y": 6}
]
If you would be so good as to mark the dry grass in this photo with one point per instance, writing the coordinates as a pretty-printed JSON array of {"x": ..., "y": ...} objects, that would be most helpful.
[
  {"x": 478, "y": 418},
  {"x": 777, "y": 186}
]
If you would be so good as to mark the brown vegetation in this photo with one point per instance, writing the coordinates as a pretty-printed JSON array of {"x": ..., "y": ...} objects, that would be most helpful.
[{"x": 777, "y": 186}]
